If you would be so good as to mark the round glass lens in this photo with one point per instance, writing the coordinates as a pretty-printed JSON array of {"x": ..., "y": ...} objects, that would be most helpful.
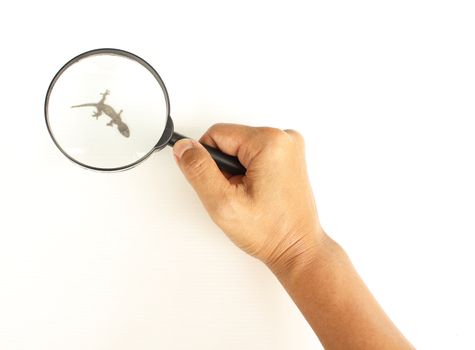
[{"x": 107, "y": 110}]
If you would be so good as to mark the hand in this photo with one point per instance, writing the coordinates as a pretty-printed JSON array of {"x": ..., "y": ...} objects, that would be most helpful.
[{"x": 270, "y": 212}]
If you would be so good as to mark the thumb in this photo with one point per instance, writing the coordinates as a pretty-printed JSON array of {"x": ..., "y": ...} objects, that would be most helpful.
[{"x": 201, "y": 171}]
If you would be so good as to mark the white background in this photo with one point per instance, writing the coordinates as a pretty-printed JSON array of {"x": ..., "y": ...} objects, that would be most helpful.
[{"x": 384, "y": 93}]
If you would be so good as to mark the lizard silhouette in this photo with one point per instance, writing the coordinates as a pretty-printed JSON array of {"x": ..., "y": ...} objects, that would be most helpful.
[{"x": 109, "y": 111}]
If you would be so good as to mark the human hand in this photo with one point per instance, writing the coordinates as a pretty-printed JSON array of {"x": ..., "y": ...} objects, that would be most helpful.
[{"x": 270, "y": 212}]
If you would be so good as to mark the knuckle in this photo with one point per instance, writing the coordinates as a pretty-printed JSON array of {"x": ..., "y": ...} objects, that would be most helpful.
[
  {"x": 275, "y": 136},
  {"x": 271, "y": 132},
  {"x": 277, "y": 143},
  {"x": 214, "y": 128},
  {"x": 296, "y": 136}
]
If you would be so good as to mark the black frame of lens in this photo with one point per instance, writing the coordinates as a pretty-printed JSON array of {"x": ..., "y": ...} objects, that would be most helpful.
[{"x": 163, "y": 139}]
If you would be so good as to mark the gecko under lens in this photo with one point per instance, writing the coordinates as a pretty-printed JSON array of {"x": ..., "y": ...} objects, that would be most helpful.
[{"x": 106, "y": 109}]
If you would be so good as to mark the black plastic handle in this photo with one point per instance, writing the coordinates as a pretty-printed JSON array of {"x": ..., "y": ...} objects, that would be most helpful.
[{"x": 224, "y": 161}]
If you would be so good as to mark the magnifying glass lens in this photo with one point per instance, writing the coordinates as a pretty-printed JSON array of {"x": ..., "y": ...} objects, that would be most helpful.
[{"x": 106, "y": 110}]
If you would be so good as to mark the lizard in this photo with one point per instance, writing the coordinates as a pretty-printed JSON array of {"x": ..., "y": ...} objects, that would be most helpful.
[{"x": 109, "y": 111}]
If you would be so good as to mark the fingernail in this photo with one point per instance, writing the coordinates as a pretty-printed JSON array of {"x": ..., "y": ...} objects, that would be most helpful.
[{"x": 181, "y": 146}]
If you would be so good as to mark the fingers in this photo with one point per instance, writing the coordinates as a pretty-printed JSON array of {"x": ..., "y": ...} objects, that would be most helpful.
[
  {"x": 201, "y": 172},
  {"x": 246, "y": 142},
  {"x": 250, "y": 143},
  {"x": 228, "y": 137},
  {"x": 233, "y": 139}
]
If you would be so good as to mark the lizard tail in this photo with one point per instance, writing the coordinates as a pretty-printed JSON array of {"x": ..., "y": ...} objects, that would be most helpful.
[{"x": 85, "y": 105}]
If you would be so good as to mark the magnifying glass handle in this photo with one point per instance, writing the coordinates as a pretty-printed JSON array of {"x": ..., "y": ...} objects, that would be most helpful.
[{"x": 224, "y": 161}]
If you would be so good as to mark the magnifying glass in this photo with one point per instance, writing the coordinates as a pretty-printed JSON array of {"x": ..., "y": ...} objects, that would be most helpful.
[{"x": 108, "y": 110}]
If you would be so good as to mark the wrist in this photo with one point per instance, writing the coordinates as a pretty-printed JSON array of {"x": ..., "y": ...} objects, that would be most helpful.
[{"x": 318, "y": 253}]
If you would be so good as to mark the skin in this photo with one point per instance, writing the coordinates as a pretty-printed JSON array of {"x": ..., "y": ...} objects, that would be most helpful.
[{"x": 271, "y": 214}]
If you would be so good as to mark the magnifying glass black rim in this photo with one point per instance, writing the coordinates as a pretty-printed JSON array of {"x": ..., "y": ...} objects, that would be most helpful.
[{"x": 162, "y": 139}]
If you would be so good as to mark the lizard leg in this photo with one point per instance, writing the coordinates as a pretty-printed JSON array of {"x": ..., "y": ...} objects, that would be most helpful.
[
  {"x": 110, "y": 123},
  {"x": 96, "y": 114}
]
